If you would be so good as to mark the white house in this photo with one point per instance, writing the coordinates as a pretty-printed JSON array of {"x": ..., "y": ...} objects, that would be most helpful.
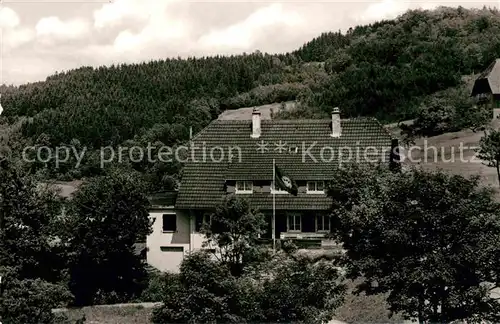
[
  {"x": 236, "y": 157},
  {"x": 175, "y": 233}
]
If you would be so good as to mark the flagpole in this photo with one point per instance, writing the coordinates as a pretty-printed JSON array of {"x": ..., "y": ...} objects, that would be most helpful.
[{"x": 274, "y": 206}]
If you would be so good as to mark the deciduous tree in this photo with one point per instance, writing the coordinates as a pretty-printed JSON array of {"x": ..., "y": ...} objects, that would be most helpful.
[
  {"x": 233, "y": 232},
  {"x": 31, "y": 265},
  {"x": 27, "y": 213},
  {"x": 108, "y": 215},
  {"x": 431, "y": 240},
  {"x": 490, "y": 150}
]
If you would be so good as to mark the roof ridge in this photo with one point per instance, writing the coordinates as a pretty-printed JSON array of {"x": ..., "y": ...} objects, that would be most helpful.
[
  {"x": 486, "y": 73},
  {"x": 289, "y": 121},
  {"x": 201, "y": 131},
  {"x": 385, "y": 129}
]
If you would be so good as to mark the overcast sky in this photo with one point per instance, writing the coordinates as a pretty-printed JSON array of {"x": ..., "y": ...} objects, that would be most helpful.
[{"x": 40, "y": 38}]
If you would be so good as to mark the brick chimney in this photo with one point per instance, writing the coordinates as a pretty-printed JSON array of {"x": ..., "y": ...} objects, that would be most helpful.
[
  {"x": 336, "y": 127},
  {"x": 255, "y": 123}
]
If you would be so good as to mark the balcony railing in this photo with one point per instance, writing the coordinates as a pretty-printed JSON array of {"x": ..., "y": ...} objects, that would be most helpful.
[
  {"x": 314, "y": 241},
  {"x": 303, "y": 235}
]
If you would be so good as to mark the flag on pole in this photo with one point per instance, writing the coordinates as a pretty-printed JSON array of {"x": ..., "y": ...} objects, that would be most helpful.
[
  {"x": 274, "y": 209},
  {"x": 284, "y": 182}
]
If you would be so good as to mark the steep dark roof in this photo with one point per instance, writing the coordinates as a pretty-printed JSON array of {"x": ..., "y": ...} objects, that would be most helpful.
[
  {"x": 203, "y": 183},
  {"x": 488, "y": 80}
]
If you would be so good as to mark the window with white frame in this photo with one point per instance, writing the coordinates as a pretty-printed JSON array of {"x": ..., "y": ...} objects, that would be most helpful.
[
  {"x": 277, "y": 190},
  {"x": 322, "y": 223},
  {"x": 294, "y": 222},
  {"x": 244, "y": 187},
  {"x": 316, "y": 187}
]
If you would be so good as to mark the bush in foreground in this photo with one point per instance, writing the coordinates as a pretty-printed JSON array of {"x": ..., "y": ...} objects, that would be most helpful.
[
  {"x": 31, "y": 301},
  {"x": 289, "y": 289},
  {"x": 241, "y": 282}
]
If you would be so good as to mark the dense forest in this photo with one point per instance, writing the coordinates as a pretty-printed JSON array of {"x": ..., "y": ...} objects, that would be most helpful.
[{"x": 392, "y": 69}]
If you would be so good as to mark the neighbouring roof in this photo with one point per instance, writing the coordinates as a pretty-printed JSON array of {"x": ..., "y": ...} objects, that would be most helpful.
[
  {"x": 203, "y": 183},
  {"x": 65, "y": 189},
  {"x": 489, "y": 80}
]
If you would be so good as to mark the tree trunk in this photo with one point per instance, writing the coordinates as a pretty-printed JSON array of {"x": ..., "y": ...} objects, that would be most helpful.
[
  {"x": 1, "y": 218},
  {"x": 420, "y": 310},
  {"x": 498, "y": 172}
]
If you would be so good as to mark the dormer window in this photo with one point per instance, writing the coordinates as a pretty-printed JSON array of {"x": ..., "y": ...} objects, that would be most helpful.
[
  {"x": 315, "y": 187},
  {"x": 244, "y": 187}
]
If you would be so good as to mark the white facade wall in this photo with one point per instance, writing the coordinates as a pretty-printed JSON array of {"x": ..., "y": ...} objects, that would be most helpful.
[
  {"x": 496, "y": 113},
  {"x": 165, "y": 250}
]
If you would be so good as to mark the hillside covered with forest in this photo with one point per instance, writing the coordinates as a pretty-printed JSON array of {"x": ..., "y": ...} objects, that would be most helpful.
[{"x": 394, "y": 70}]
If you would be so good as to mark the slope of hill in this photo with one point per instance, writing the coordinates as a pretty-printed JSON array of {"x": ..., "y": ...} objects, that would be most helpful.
[
  {"x": 454, "y": 153},
  {"x": 387, "y": 69},
  {"x": 267, "y": 111},
  {"x": 444, "y": 152}
]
